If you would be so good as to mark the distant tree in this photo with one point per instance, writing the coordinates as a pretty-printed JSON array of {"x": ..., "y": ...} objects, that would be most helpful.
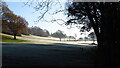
[
  {"x": 71, "y": 37},
  {"x": 86, "y": 39},
  {"x": 81, "y": 39},
  {"x": 38, "y": 31},
  {"x": 75, "y": 36},
  {"x": 59, "y": 34},
  {"x": 46, "y": 33},
  {"x": 14, "y": 23},
  {"x": 35, "y": 31}
]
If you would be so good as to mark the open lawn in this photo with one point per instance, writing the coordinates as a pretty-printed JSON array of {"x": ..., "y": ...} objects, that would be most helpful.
[
  {"x": 19, "y": 55},
  {"x": 9, "y": 39},
  {"x": 44, "y": 52},
  {"x": 40, "y": 40},
  {"x": 14, "y": 41}
]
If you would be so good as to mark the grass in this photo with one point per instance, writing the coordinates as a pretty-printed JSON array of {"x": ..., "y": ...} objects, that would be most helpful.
[
  {"x": 12, "y": 40},
  {"x": 9, "y": 39},
  {"x": 42, "y": 56}
]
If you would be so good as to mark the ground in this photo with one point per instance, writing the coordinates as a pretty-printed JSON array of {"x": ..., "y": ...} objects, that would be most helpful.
[
  {"x": 46, "y": 53},
  {"x": 45, "y": 40},
  {"x": 17, "y": 55}
]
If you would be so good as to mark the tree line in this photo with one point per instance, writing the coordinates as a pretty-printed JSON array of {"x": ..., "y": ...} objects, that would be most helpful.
[
  {"x": 38, "y": 31},
  {"x": 45, "y": 33}
]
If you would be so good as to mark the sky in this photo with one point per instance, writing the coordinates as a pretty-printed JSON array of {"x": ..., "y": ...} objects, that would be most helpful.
[{"x": 31, "y": 16}]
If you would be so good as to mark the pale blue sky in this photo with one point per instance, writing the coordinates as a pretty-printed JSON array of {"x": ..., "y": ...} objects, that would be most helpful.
[{"x": 27, "y": 12}]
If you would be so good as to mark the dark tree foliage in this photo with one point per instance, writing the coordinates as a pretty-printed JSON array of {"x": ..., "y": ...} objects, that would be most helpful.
[
  {"x": 38, "y": 31},
  {"x": 81, "y": 39},
  {"x": 104, "y": 18},
  {"x": 92, "y": 36}
]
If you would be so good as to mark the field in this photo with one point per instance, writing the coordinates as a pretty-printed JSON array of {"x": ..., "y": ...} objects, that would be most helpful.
[
  {"x": 40, "y": 40},
  {"x": 40, "y": 52},
  {"x": 9, "y": 39},
  {"x": 18, "y": 55}
]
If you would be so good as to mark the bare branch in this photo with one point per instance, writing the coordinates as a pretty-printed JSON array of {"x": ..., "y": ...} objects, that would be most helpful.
[
  {"x": 26, "y": 3},
  {"x": 57, "y": 11},
  {"x": 44, "y": 7}
]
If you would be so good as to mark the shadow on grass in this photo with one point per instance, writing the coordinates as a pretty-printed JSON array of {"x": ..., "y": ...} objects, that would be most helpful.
[{"x": 19, "y": 55}]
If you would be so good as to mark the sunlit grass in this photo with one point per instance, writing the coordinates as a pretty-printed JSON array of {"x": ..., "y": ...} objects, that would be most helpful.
[
  {"x": 9, "y": 38},
  {"x": 3, "y": 36},
  {"x": 40, "y": 40},
  {"x": 12, "y": 40}
]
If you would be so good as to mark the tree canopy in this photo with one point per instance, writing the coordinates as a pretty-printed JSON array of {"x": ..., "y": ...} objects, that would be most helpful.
[
  {"x": 104, "y": 18},
  {"x": 12, "y": 23},
  {"x": 38, "y": 31},
  {"x": 59, "y": 34}
]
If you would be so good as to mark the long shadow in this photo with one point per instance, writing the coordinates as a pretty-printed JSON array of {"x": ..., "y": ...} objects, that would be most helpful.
[
  {"x": 24, "y": 44},
  {"x": 54, "y": 44},
  {"x": 24, "y": 55}
]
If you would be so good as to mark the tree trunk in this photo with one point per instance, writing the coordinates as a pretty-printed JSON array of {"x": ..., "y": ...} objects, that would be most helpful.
[
  {"x": 108, "y": 47},
  {"x": 14, "y": 36},
  {"x": 60, "y": 39},
  {"x": 108, "y": 55},
  {"x": 108, "y": 38}
]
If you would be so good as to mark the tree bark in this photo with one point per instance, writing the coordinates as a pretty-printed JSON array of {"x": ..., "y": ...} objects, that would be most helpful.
[
  {"x": 14, "y": 36},
  {"x": 108, "y": 43},
  {"x": 60, "y": 39}
]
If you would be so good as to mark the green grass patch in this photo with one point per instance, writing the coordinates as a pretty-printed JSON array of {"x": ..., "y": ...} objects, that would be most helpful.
[
  {"x": 7, "y": 38},
  {"x": 12, "y": 40}
]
